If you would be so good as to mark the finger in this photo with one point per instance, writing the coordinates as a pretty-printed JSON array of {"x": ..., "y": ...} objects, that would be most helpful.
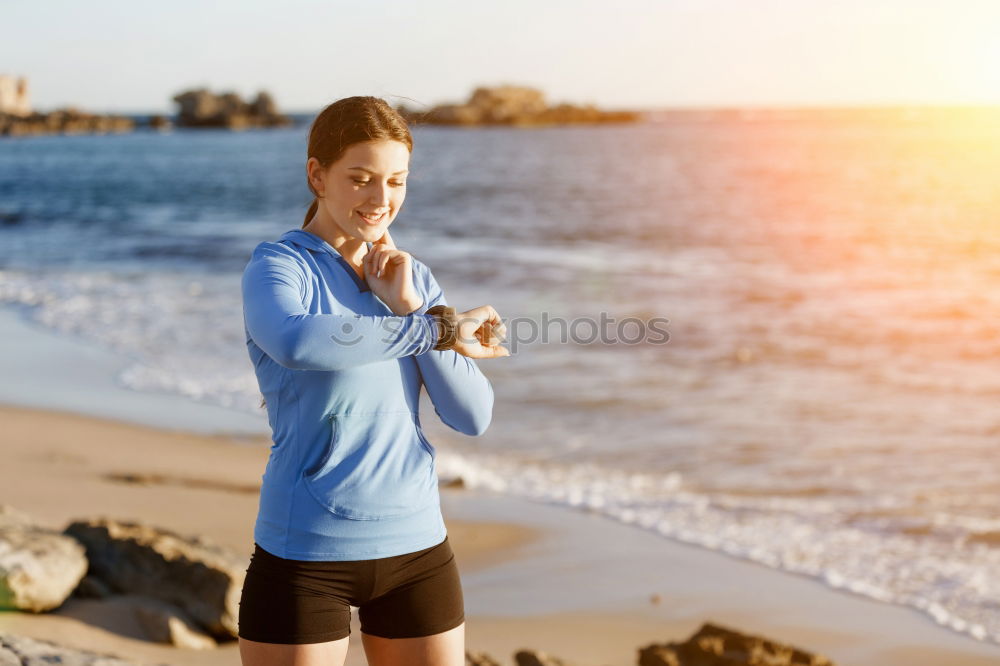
[
  {"x": 383, "y": 261},
  {"x": 495, "y": 328},
  {"x": 495, "y": 324},
  {"x": 490, "y": 314},
  {"x": 490, "y": 347},
  {"x": 495, "y": 352},
  {"x": 486, "y": 330},
  {"x": 479, "y": 315},
  {"x": 377, "y": 260},
  {"x": 488, "y": 338}
]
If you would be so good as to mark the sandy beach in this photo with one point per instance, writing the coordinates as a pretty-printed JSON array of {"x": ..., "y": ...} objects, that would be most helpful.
[{"x": 536, "y": 576}]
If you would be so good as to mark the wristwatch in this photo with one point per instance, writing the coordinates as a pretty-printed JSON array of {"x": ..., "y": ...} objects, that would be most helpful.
[{"x": 447, "y": 319}]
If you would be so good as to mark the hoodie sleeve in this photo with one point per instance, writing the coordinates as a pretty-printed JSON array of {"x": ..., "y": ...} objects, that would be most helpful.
[
  {"x": 273, "y": 284},
  {"x": 461, "y": 393}
]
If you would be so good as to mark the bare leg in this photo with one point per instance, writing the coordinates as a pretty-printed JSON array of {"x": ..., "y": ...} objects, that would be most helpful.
[
  {"x": 331, "y": 653},
  {"x": 444, "y": 649}
]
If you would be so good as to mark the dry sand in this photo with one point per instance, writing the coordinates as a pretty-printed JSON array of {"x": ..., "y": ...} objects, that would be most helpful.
[{"x": 60, "y": 466}]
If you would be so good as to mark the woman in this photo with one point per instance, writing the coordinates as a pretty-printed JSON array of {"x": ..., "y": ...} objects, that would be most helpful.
[{"x": 343, "y": 328}]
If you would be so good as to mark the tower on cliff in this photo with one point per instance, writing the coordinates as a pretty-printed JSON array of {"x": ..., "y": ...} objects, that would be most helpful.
[{"x": 14, "y": 98}]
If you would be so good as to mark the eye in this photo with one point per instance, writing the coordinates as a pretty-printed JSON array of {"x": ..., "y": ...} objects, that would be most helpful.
[{"x": 365, "y": 182}]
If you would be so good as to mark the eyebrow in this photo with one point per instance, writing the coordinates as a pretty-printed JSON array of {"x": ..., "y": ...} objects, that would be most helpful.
[{"x": 370, "y": 171}]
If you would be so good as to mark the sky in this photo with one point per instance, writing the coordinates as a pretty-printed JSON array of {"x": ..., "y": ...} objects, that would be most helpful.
[{"x": 118, "y": 56}]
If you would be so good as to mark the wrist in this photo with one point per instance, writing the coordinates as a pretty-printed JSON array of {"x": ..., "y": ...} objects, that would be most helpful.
[{"x": 447, "y": 326}]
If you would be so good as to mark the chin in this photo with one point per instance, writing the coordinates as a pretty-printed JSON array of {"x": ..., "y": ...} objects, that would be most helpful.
[
  {"x": 370, "y": 234},
  {"x": 373, "y": 233}
]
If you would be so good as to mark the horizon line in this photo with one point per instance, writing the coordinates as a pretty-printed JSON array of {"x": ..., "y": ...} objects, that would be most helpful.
[{"x": 845, "y": 106}]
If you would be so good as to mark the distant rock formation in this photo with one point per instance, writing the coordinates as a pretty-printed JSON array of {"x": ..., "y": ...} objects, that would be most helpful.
[
  {"x": 202, "y": 108},
  {"x": 14, "y": 98},
  {"x": 513, "y": 105},
  {"x": 69, "y": 120},
  {"x": 17, "y": 117},
  {"x": 160, "y": 122}
]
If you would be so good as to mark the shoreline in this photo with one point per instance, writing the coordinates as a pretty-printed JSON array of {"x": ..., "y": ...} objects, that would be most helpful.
[
  {"x": 61, "y": 371},
  {"x": 538, "y": 576}
]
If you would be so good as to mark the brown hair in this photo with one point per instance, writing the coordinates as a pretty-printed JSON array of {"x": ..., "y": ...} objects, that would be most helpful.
[
  {"x": 342, "y": 124},
  {"x": 348, "y": 121}
]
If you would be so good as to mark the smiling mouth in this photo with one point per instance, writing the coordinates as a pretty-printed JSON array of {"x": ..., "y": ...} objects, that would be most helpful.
[{"x": 372, "y": 220}]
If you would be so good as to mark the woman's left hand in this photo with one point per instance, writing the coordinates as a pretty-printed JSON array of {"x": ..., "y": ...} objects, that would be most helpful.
[{"x": 389, "y": 273}]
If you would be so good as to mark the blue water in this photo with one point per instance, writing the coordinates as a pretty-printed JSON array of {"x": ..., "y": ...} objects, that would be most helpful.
[{"x": 825, "y": 401}]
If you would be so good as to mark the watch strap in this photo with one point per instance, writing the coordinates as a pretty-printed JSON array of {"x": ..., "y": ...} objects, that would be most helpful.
[{"x": 447, "y": 319}]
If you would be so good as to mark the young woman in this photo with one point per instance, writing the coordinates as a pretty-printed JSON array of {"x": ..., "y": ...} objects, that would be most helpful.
[{"x": 343, "y": 328}]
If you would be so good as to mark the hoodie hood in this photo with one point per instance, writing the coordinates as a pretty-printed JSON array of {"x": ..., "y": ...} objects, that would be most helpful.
[
  {"x": 306, "y": 239},
  {"x": 309, "y": 240}
]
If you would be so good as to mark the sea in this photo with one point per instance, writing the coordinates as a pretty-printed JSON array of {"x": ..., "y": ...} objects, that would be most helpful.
[{"x": 771, "y": 335}]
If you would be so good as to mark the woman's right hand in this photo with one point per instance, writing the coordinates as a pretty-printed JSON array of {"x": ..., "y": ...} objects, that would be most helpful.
[{"x": 480, "y": 332}]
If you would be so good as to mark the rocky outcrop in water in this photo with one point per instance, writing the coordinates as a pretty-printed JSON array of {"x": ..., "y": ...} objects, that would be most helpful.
[
  {"x": 69, "y": 120},
  {"x": 18, "y": 119},
  {"x": 202, "y": 108},
  {"x": 519, "y": 106}
]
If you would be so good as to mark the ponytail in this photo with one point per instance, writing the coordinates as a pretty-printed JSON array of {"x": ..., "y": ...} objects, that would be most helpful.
[{"x": 313, "y": 207}]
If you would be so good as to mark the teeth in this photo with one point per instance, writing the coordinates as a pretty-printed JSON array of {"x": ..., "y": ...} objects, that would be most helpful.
[{"x": 373, "y": 218}]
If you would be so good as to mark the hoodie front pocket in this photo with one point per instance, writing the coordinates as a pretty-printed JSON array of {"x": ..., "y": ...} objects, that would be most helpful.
[{"x": 375, "y": 466}]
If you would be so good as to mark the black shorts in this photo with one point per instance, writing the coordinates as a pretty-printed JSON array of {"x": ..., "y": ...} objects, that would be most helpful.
[{"x": 402, "y": 596}]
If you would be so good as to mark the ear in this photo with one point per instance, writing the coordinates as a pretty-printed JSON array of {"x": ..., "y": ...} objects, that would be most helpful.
[{"x": 314, "y": 172}]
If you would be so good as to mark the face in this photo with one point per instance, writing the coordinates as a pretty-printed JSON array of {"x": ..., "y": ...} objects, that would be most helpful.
[{"x": 363, "y": 191}]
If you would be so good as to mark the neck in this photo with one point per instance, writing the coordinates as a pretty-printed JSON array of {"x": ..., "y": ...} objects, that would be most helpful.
[{"x": 351, "y": 248}]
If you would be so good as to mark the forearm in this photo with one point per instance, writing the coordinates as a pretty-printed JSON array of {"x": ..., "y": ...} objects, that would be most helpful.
[
  {"x": 337, "y": 342},
  {"x": 461, "y": 394},
  {"x": 276, "y": 319}
]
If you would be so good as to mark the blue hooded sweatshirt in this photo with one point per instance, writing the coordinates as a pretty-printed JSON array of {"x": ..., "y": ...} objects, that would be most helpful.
[{"x": 350, "y": 474}]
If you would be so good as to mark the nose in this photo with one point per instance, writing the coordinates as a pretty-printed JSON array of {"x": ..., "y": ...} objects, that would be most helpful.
[{"x": 380, "y": 195}]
